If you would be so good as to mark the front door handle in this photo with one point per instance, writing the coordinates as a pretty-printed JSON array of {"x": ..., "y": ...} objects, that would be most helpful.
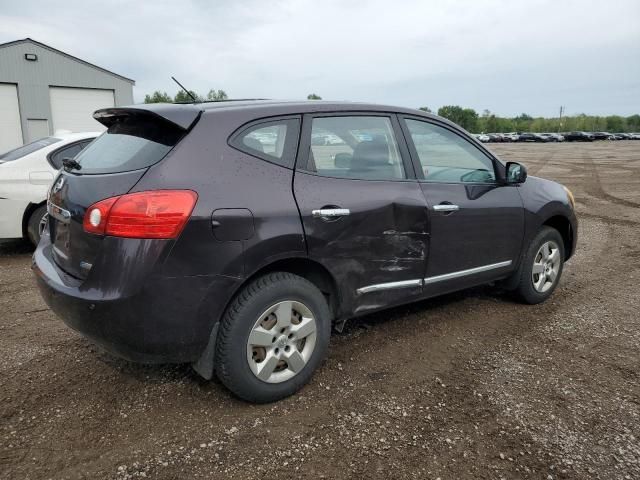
[
  {"x": 446, "y": 207},
  {"x": 330, "y": 212}
]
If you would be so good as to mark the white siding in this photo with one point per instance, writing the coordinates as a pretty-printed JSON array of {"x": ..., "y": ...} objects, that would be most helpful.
[
  {"x": 72, "y": 108},
  {"x": 10, "y": 127}
]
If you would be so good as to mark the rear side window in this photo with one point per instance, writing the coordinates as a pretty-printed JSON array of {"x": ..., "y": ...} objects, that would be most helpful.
[
  {"x": 274, "y": 140},
  {"x": 20, "y": 152},
  {"x": 55, "y": 158},
  {"x": 358, "y": 147},
  {"x": 131, "y": 143}
]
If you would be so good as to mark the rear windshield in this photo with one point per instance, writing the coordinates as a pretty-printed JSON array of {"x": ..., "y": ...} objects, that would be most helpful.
[
  {"x": 20, "y": 152},
  {"x": 130, "y": 143}
]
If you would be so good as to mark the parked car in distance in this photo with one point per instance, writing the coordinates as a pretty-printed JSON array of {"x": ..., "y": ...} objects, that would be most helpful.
[
  {"x": 26, "y": 173},
  {"x": 531, "y": 137},
  {"x": 511, "y": 137},
  {"x": 578, "y": 137},
  {"x": 483, "y": 137},
  {"x": 552, "y": 137},
  {"x": 602, "y": 136},
  {"x": 178, "y": 236}
]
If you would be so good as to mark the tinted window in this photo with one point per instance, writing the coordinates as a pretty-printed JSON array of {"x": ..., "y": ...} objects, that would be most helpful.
[
  {"x": 274, "y": 141},
  {"x": 55, "y": 158},
  {"x": 27, "y": 149},
  {"x": 130, "y": 143},
  {"x": 355, "y": 147},
  {"x": 447, "y": 157}
]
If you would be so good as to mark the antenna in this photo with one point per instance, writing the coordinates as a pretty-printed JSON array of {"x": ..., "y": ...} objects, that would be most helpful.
[{"x": 195, "y": 100}]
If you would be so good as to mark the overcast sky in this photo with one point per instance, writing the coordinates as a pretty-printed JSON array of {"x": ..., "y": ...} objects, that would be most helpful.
[{"x": 506, "y": 56}]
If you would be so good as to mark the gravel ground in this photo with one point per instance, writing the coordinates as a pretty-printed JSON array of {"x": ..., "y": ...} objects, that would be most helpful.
[{"x": 470, "y": 385}]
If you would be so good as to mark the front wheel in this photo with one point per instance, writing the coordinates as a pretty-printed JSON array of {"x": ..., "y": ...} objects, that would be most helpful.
[
  {"x": 541, "y": 267},
  {"x": 272, "y": 338}
]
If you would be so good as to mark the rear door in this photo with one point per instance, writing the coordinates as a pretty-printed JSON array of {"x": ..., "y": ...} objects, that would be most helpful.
[
  {"x": 363, "y": 212},
  {"x": 476, "y": 221},
  {"x": 109, "y": 166}
]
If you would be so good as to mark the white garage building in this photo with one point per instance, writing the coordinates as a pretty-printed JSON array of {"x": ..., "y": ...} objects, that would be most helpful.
[{"x": 44, "y": 90}]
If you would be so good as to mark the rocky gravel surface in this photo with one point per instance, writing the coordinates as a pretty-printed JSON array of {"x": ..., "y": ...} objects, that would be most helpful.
[{"x": 470, "y": 385}]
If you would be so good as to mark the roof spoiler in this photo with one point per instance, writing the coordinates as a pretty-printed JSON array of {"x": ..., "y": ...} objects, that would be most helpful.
[{"x": 182, "y": 116}]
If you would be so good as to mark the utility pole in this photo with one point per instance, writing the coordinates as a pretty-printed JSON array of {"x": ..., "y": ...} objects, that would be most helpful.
[{"x": 560, "y": 118}]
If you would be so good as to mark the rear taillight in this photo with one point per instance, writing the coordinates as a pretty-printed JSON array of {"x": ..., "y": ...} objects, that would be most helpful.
[{"x": 154, "y": 214}]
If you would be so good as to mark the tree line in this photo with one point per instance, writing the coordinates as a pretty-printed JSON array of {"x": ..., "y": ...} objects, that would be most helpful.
[
  {"x": 468, "y": 118},
  {"x": 184, "y": 97},
  {"x": 489, "y": 122}
]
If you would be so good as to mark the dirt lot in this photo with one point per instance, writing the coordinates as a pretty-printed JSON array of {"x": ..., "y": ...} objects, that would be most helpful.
[{"x": 471, "y": 385}]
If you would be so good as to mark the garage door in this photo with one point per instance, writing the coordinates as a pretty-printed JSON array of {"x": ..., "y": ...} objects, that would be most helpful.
[
  {"x": 72, "y": 108},
  {"x": 10, "y": 129}
]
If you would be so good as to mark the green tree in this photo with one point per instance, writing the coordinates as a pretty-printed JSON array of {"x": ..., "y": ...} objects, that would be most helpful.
[
  {"x": 633, "y": 123},
  {"x": 425, "y": 109},
  {"x": 157, "y": 97},
  {"x": 467, "y": 118},
  {"x": 182, "y": 97},
  {"x": 217, "y": 95},
  {"x": 313, "y": 96}
]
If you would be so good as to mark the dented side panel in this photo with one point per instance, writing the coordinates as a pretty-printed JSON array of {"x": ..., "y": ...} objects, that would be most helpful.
[{"x": 382, "y": 240}]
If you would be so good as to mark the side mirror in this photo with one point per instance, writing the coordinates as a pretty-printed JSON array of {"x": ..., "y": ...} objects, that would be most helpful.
[
  {"x": 516, "y": 173},
  {"x": 342, "y": 160}
]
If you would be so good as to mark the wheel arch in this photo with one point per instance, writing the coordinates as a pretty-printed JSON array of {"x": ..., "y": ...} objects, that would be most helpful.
[
  {"x": 562, "y": 224},
  {"x": 32, "y": 207},
  {"x": 304, "y": 267}
]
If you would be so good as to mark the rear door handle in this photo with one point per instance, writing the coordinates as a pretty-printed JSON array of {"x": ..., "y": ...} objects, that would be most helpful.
[
  {"x": 330, "y": 212},
  {"x": 446, "y": 207}
]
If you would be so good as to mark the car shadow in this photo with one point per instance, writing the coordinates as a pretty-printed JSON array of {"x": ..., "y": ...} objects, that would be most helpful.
[{"x": 15, "y": 247}]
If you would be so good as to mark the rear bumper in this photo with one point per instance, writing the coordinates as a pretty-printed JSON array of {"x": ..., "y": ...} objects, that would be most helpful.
[{"x": 163, "y": 320}]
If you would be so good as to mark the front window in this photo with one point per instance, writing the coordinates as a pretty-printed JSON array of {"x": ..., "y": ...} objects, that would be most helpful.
[
  {"x": 358, "y": 147},
  {"x": 446, "y": 157}
]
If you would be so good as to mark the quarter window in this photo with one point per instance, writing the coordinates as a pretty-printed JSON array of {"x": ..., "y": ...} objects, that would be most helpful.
[
  {"x": 358, "y": 147},
  {"x": 273, "y": 141},
  {"x": 447, "y": 157}
]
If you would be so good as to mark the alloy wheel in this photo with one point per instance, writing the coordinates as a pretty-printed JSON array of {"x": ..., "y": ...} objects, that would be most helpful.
[{"x": 546, "y": 266}]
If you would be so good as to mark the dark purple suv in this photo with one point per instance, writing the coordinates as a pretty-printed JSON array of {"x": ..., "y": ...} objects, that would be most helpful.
[{"x": 233, "y": 235}]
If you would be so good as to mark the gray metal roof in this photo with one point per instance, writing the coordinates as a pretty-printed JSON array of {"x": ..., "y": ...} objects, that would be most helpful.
[{"x": 30, "y": 40}]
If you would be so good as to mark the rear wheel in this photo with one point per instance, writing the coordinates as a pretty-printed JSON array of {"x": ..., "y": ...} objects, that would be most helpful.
[
  {"x": 36, "y": 223},
  {"x": 272, "y": 337},
  {"x": 541, "y": 267}
]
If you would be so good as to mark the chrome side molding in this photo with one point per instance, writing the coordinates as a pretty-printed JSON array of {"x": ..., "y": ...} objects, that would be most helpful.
[
  {"x": 428, "y": 280},
  {"x": 389, "y": 286},
  {"x": 464, "y": 273}
]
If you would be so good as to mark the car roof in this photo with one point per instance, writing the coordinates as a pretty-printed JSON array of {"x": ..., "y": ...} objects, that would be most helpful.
[{"x": 184, "y": 114}]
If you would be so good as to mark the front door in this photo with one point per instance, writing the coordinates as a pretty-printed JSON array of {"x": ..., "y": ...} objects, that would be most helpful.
[
  {"x": 363, "y": 211},
  {"x": 476, "y": 222}
]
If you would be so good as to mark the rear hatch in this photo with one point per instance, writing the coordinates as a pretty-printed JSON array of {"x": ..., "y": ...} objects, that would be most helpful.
[{"x": 136, "y": 139}]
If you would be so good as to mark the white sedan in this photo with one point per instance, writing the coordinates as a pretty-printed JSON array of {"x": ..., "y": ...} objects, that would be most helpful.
[{"x": 25, "y": 176}]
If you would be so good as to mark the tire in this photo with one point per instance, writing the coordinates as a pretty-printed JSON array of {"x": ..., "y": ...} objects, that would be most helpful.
[
  {"x": 527, "y": 289},
  {"x": 239, "y": 363},
  {"x": 33, "y": 225}
]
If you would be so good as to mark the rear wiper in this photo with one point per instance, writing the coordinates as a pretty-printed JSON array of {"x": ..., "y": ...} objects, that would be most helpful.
[{"x": 70, "y": 164}]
